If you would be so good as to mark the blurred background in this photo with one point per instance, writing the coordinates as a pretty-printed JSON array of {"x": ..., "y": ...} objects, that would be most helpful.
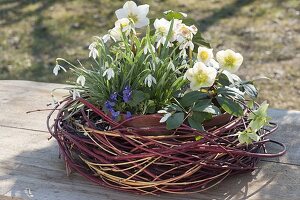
[{"x": 33, "y": 33}]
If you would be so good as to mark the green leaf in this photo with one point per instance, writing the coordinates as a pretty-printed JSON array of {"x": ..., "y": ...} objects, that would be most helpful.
[
  {"x": 170, "y": 14},
  {"x": 189, "y": 98},
  {"x": 195, "y": 124},
  {"x": 247, "y": 136},
  {"x": 232, "y": 92},
  {"x": 175, "y": 120},
  {"x": 230, "y": 106},
  {"x": 201, "y": 104},
  {"x": 259, "y": 118},
  {"x": 137, "y": 97},
  {"x": 224, "y": 80},
  {"x": 250, "y": 90},
  {"x": 198, "y": 40}
]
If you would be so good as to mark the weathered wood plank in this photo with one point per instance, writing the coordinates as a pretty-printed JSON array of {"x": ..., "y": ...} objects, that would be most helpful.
[
  {"x": 18, "y": 97},
  {"x": 31, "y": 163}
]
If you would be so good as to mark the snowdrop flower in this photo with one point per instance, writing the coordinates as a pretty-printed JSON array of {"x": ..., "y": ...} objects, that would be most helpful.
[
  {"x": 229, "y": 60},
  {"x": 138, "y": 14},
  {"x": 109, "y": 73},
  {"x": 75, "y": 94},
  {"x": 149, "y": 80},
  {"x": 80, "y": 80},
  {"x": 187, "y": 44},
  {"x": 93, "y": 50},
  {"x": 205, "y": 54},
  {"x": 57, "y": 68},
  {"x": 106, "y": 38},
  {"x": 165, "y": 117},
  {"x": 148, "y": 48},
  {"x": 116, "y": 34},
  {"x": 183, "y": 53},
  {"x": 201, "y": 76},
  {"x": 171, "y": 65}
]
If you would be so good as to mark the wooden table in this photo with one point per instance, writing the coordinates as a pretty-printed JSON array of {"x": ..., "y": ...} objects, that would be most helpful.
[{"x": 30, "y": 167}]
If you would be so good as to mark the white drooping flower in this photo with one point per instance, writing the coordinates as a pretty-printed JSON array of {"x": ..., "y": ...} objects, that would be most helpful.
[
  {"x": 109, "y": 73},
  {"x": 57, "y": 68},
  {"x": 80, "y": 80},
  {"x": 115, "y": 34},
  {"x": 205, "y": 55},
  {"x": 75, "y": 94},
  {"x": 149, "y": 80},
  {"x": 187, "y": 44},
  {"x": 229, "y": 60},
  {"x": 171, "y": 65},
  {"x": 138, "y": 14},
  {"x": 93, "y": 50},
  {"x": 165, "y": 117},
  {"x": 201, "y": 76},
  {"x": 106, "y": 38},
  {"x": 149, "y": 48}
]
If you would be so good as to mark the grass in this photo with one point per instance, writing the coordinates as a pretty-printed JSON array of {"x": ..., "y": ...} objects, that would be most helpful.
[{"x": 34, "y": 32}]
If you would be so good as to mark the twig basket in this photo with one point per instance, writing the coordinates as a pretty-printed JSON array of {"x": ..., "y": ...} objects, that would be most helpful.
[{"x": 152, "y": 159}]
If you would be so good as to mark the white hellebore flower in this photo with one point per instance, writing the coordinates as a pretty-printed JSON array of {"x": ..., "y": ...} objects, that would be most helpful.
[
  {"x": 205, "y": 55},
  {"x": 213, "y": 63},
  {"x": 93, "y": 50},
  {"x": 109, "y": 73},
  {"x": 201, "y": 76},
  {"x": 185, "y": 32},
  {"x": 75, "y": 94},
  {"x": 57, "y": 68},
  {"x": 229, "y": 60},
  {"x": 80, "y": 80},
  {"x": 123, "y": 24},
  {"x": 138, "y": 14},
  {"x": 162, "y": 27},
  {"x": 149, "y": 80}
]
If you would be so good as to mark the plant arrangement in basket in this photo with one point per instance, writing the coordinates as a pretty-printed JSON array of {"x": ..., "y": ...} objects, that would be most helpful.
[{"x": 158, "y": 111}]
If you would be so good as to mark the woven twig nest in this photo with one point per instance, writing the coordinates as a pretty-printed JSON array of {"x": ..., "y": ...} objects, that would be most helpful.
[{"x": 133, "y": 157}]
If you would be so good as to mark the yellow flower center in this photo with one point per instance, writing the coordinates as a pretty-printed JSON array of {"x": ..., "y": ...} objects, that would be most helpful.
[
  {"x": 230, "y": 61},
  {"x": 201, "y": 77},
  {"x": 133, "y": 17},
  {"x": 162, "y": 30},
  {"x": 203, "y": 55}
]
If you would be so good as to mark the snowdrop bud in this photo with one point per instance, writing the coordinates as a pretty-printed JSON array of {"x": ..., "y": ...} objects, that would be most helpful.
[{"x": 80, "y": 80}]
